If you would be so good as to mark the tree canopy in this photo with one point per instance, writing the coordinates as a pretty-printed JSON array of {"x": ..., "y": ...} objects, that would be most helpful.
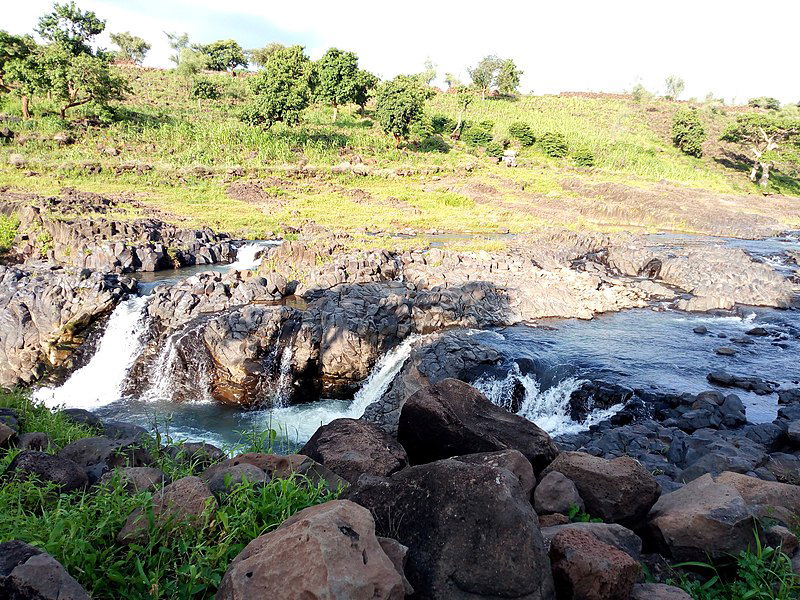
[
  {"x": 282, "y": 89},
  {"x": 260, "y": 56},
  {"x": 337, "y": 78},
  {"x": 178, "y": 42},
  {"x": 507, "y": 78},
  {"x": 675, "y": 86},
  {"x": 768, "y": 138},
  {"x": 483, "y": 74},
  {"x": 71, "y": 27},
  {"x": 400, "y": 102},
  {"x": 365, "y": 83},
  {"x": 223, "y": 55},
  {"x": 131, "y": 48}
]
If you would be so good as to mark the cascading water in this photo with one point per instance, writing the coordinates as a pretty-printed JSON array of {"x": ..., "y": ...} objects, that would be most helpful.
[
  {"x": 549, "y": 408},
  {"x": 251, "y": 254},
  {"x": 100, "y": 381}
]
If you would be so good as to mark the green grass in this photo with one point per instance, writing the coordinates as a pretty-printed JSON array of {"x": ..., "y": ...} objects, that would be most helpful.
[
  {"x": 9, "y": 224},
  {"x": 178, "y": 561}
]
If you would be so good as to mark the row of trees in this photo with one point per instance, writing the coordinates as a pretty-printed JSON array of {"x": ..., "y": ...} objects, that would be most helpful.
[{"x": 65, "y": 68}]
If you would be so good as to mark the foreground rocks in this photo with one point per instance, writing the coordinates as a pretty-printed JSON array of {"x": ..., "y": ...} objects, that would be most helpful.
[
  {"x": 27, "y": 573},
  {"x": 325, "y": 551}
]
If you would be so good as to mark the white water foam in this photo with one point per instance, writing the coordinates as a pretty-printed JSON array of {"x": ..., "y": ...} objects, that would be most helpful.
[
  {"x": 100, "y": 381},
  {"x": 299, "y": 422},
  {"x": 251, "y": 254},
  {"x": 549, "y": 408}
]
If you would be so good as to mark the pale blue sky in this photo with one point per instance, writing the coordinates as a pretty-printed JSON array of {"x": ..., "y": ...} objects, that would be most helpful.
[{"x": 733, "y": 48}]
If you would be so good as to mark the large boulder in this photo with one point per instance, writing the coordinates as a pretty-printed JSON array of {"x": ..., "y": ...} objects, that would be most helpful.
[
  {"x": 612, "y": 534},
  {"x": 97, "y": 455},
  {"x": 350, "y": 447},
  {"x": 27, "y": 573},
  {"x": 511, "y": 460},
  {"x": 618, "y": 491},
  {"x": 703, "y": 519},
  {"x": 63, "y": 472},
  {"x": 586, "y": 568},
  {"x": 178, "y": 503},
  {"x": 325, "y": 551},
  {"x": 766, "y": 498},
  {"x": 451, "y": 417},
  {"x": 470, "y": 529}
]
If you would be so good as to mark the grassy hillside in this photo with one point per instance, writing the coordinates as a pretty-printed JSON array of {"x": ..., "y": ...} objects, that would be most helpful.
[{"x": 194, "y": 161}]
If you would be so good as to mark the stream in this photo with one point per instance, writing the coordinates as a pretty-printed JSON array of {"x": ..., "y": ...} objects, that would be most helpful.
[{"x": 652, "y": 348}]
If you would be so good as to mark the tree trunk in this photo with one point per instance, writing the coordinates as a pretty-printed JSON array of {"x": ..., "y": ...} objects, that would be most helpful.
[
  {"x": 456, "y": 135},
  {"x": 754, "y": 172},
  {"x": 398, "y": 140},
  {"x": 26, "y": 113},
  {"x": 764, "y": 181},
  {"x": 335, "y": 111},
  {"x": 63, "y": 111}
]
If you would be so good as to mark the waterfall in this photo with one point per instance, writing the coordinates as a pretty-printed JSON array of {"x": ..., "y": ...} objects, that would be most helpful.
[
  {"x": 549, "y": 408},
  {"x": 250, "y": 255},
  {"x": 284, "y": 383},
  {"x": 99, "y": 382}
]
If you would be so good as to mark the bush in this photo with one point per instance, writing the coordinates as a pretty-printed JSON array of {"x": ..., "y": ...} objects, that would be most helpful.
[
  {"x": 522, "y": 132},
  {"x": 554, "y": 144},
  {"x": 205, "y": 89},
  {"x": 8, "y": 231},
  {"x": 434, "y": 143},
  {"x": 478, "y": 134},
  {"x": 583, "y": 157},
  {"x": 688, "y": 133},
  {"x": 442, "y": 124},
  {"x": 765, "y": 102},
  {"x": 494, "y": 149}
]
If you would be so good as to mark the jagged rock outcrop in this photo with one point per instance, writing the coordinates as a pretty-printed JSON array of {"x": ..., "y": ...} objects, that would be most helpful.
[{"x": 45, "y": 314}]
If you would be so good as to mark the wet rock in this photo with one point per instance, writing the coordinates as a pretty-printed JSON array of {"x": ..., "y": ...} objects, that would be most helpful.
[
  {"x": 750, "y": 384},
  {"x": 658, "y": 591},
  {"x": 793, "y": 433},
  {"x": 82, "y": 417},
  {"x": 556, "y": 494},
  {"x": 64, "y": 473},
  {"x": 725, "y": 351},
  {"x": 99, "y": 454},
  {"x": 701, "y": 330},
  {"x": 612, "y": 534},
  {"x": 34, "y": 441},
  {"x": 618, "y": 491},
  {"x": 789, "y": 396},
  {"x": 226, "y": 479},
  {"x": 585, "y": 567},
  {"x": 200, "y": 455},
  {"x": 594, "y": 395},
  {"x": 451, "y": 418},
  {"x": 27, "y": 573},
  {"x": 350, "y": 447},
  {"x": 325, "y": 551},
  {"x": 757, "y": 331},
  {"x": 707, "y": 451},
  {"x": 181, "y": 502},
  {"x": 511, "y": 460},
  {"x": 136, "y": 479},
  {"x": 702, "y": 520},
  {"x": 122, "y": 430},
  {"x": 447, "y": 505}
]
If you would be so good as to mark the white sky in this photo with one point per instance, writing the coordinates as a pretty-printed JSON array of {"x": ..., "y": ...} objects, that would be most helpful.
[{"x": 736, "y": 49}]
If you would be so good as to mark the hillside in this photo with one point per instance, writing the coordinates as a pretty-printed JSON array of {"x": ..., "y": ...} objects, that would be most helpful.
[{"x": 193, "y": 161}]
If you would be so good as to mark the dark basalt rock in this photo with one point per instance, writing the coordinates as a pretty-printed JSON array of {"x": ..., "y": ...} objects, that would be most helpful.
[
  {"x": 66, "y": 474},
  {"x": 27, "y": 573}
]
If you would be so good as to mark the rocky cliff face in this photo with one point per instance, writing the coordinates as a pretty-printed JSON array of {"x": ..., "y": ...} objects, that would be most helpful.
[{"x": 46, "y": 314}]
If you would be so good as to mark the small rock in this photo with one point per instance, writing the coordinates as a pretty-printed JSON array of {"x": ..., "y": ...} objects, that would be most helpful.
[
  {"x": 82, "y": 417},
  {"x": 726, "y": 351},
  {"x": 137, "y": 479},
  {"x": 553, "y": 520},
  {"x": 35, "y": 440},
  {"x": 700, "y": 330},
  {"x": 556, "y": 494},
  {"x": 226, "y": 479},
  {"x": 758, "y": 332},
  {"x": 658, "y": 591}
]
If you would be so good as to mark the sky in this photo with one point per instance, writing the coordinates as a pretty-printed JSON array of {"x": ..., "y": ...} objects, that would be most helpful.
[{"x": 734, "y": 49}]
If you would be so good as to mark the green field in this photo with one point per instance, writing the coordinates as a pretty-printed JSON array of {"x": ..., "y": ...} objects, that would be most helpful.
[{"x": 178, "y": 156}]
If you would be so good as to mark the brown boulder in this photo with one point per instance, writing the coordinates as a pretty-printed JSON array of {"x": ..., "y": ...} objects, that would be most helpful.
[
  {"x": 136, "y": 479},
  {"x": 781, "y": 500},
  {"x": 325, "y": 551},
  {"x": 470, "y": 529},
  {"x": 658, "y": 591},
  {"x": 620, "y": 490},
  {"x": 511, "y": 460},
  {"x": 615, "y": 535},
  {"x": 183, "y": 501},
  {"x": 586, "y": 568},
  {"x": 450, "y": 418},
  {"x": 702, "y": 520},
  {"x": 350, "y": 447},
  {"x": 556, "y": 494}
]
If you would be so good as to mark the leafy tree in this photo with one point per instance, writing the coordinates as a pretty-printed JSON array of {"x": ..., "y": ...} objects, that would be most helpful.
[
  {"x": 365, "y": 83},
  {"x": 464, "y": 98},
  {"x": 283, "y": 88},
  {"x": 131, "y": 48},
  {"x": 178, "y": 42},
  {"x": 260, "y": 56},
  {"x": 640, "y": 93},
  {"x": 400, "y": 102},
  {"x": 337, "y": 78},
  {"x": 452, "y": 81},
  {"x": 688, "y": 132},
  {"x": 205, "y": 89},
  {"x": 765, "y": 102},
  {"x": 70, "y": 27},
  {"x": 21, "y": 70},
  {"x": 429, "y": 73},
  {"x": 768, "y": 138},
  {"x": 223, "y": 55},
  {"x": 483, "y": 74},
  {"x": 507, "y": 79},
  {"x": 191, "y": 62},
  {"x": 675, "y": 86}
]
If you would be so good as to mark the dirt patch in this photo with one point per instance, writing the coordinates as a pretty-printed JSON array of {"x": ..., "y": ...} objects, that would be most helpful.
[{"x": 270, "y": 192}]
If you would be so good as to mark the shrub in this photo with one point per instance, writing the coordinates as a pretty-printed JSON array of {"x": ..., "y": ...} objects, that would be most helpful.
[
  {"x": 554, "y": 144},
  {"x": 434, "y": 143},
  {"x": 688, "y": 133},
  {"x": 442, "y": 124},
  {"x": 494, "y": 149},
  {"x": 522, "y": 132},
  {"x": 765, "y": 102},
  {"x": 205, "y": 89},
  {"x": 399, "y": 104},
  {"x": 8, "y": 231},
  {"x": 583, "y": 157},
  {"x": 478, "y": 134}
]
